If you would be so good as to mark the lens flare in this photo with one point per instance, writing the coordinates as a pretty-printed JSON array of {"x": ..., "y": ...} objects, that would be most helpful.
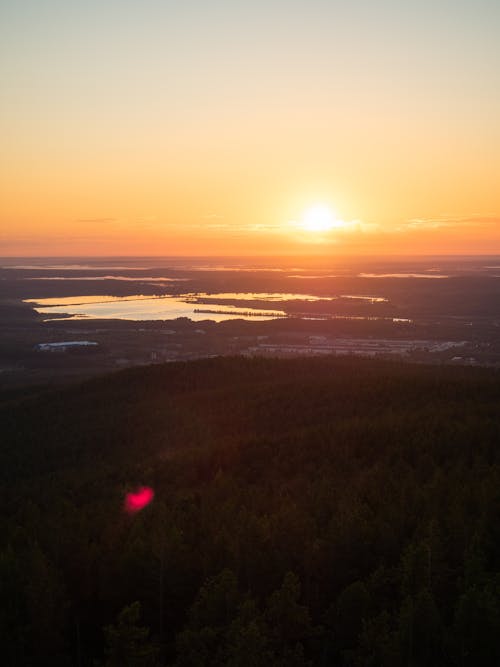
[{"x": 138, "y": 500}]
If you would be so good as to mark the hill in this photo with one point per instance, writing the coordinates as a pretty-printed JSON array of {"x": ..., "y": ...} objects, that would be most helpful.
[{"x": 306, "y": 511}]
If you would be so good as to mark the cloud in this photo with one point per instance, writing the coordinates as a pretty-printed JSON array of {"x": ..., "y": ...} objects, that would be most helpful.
[
  {"x": 450, "y": 221},
  {"x": 142, "y": 221},
  {"x": 147, "y": 218},
  {"x": 96, "y": 220},
  {"x": 233, "y": 227},
  {"x": 336, "y": 227},
  {"x": 359, "y": 226},
  {"x": 288, "y": 229}
]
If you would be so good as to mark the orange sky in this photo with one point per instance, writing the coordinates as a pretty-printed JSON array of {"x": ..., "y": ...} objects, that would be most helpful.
[{"x": 149, "y": 128}]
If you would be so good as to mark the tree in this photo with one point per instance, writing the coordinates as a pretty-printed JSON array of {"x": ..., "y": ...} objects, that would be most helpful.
[
  {"x": 351, "y": 610},
  {"x": 246, "y": 641},
  {"x": 420, "y": 630},
  {"x": 202, "y": 643},
  {"x": 128, "y": 643},
  {"x": 477, "y": 628},
  {"x": 288, "y": 622}
]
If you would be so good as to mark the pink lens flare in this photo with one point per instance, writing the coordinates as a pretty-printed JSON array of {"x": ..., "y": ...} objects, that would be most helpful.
[{"x": 135, "y": 502}]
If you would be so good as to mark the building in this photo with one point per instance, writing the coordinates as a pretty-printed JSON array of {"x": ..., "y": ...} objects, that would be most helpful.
[{"x": 64, "y": 346}]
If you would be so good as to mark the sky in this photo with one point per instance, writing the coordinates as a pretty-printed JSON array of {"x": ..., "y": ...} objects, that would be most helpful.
[{"x": 154, "y": 127}]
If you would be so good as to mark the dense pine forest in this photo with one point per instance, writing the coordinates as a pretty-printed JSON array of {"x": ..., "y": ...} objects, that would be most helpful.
[{"x": 307, "y": 512}]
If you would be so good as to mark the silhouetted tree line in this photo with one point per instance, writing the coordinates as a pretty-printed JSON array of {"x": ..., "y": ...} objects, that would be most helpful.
[{"x": 307, "y": 512}]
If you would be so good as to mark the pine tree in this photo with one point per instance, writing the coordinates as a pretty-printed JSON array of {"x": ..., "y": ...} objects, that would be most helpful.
[{"x": 128, "y": 644}]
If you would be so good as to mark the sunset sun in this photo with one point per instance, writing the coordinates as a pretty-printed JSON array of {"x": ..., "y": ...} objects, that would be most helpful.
[{"x": 319, "y": 219}]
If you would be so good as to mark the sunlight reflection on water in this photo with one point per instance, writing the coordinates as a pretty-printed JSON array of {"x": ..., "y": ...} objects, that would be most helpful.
[
  {"x": 144, "y": 308},
  {"x": 197, "y": 306}
]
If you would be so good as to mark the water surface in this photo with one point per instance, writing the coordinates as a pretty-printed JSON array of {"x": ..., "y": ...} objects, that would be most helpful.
[{"x": 142, "y": 307}]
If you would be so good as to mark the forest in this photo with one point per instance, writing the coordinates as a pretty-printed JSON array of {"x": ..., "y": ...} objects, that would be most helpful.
[{"x": 331, "y": 512}]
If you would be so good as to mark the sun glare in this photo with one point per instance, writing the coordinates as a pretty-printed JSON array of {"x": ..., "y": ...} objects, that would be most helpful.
[{"x": 319, "y": 219}]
